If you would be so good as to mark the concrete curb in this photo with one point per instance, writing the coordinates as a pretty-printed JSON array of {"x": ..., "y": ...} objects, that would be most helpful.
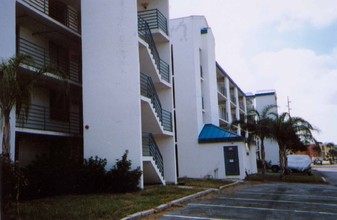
[{"x": 177, "y": 201}]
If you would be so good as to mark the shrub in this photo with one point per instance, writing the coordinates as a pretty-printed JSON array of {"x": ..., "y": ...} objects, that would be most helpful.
[
  {"x": 92, "y": 176},
  {"x": 121, "y": 178},
  {"x": 51, "y": 175},
  {"x": 59, "y": 174},
  {"x": 11, "y": 181}
]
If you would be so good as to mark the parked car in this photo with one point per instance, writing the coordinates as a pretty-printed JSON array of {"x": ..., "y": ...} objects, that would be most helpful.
[
  {"x": 326, "y": 162},
  {"x": 318, "y": 161},
  {"x": 296, "y": 163}
]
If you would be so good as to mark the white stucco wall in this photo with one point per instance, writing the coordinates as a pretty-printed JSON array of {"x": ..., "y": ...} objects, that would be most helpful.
[
  {"x": 209, "y": 161},
  {"x": 111, "y": 92},
  {"x": 192, "y": 49},
  {"x": 211, "y": 115},
  {"x": 7, "y": 50},
  {"x": 186, "y": 40},
  {"x": 271, "y": 147}
]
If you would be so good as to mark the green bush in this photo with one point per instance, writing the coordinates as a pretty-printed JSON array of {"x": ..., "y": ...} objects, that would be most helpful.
[
  {"x": 51, "y": 175},
  {"x": 58, "y": 174},
  {"x": 11, "y": 181},
  {"x": 92, "y": 176},
  {"x": 121, "y": 178}
]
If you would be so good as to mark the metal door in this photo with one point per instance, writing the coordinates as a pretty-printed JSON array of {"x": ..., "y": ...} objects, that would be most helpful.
[{"x": 231, "y": 160}]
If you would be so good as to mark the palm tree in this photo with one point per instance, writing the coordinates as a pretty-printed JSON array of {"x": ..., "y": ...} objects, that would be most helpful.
[
  {"x": 290, "y": 133},
  {"x": 332, "y": 153},
  {"x": 258, "y": 125},
  {"x": 15, "y": 86},
  {"x": 330, "y": 145}
]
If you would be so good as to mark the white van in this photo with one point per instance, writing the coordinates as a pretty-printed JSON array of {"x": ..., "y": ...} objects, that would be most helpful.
[{"x": 296, "y": 163}]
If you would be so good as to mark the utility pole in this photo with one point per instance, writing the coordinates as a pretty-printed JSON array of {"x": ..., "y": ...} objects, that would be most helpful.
[{"x": 288, "y": 105}]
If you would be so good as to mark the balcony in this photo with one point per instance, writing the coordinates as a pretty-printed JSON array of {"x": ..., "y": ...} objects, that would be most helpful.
[
  {"x": 145, "y": 34},
  {"x": 151, "y": 149},
  {"x": 242, "y": 107},
  {"x": 44, "y": 57},
  {"x": 41, "y": 118},
  {"x": 222, "y": 90},
  {"x": 59, "y": 11},
  {"x": 157, "y": 24},
  {"x": 223, "y": 114},
  {"x": 233, "y": 99},
  {"x": 148, "y": 90}
]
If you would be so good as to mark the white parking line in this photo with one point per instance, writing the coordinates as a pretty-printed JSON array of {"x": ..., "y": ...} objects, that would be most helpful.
[
  {"x": 283, "y": 194},
  {"x": 261, "y": 209},
  {"x": 191, "y": 217},
  {"x": 280, "y": 201}
]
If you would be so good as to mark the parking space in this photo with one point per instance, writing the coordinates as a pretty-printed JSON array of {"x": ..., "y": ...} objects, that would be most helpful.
[
  {"x": 328, "y": 171},
  {"x": 265, "y": 201}
]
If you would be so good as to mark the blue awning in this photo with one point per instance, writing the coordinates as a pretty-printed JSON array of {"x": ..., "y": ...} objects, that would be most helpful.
[{"x": 212, "y": 134}]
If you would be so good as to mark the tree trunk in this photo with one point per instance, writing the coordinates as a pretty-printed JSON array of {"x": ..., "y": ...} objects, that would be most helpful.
[
  {"x": 263, "y": 155},
  {"x": 286, "y": 161},
  {"x": 6, "y": 137},
  {"x": 283, "y": 161}
]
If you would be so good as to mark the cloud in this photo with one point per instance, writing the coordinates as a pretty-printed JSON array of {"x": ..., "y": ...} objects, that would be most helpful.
[
  {"x": 307, "y": 78},
  {"x": 260, "y": 45}
]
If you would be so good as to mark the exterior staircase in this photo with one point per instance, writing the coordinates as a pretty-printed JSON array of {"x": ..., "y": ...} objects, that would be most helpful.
[
  {"x": 153, "y": 164},
  {"x": 144, "y": 33}
]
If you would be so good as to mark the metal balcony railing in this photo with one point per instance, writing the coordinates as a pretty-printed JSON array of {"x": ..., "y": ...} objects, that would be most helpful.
[
  {"x": 144, "y": 33},
  {"x": 155, "y": 19},
  {"x": 150, "y": 148},
  {"x": 42, "y": 58},
  {"x": 167, "y": 120},
  {"x": 233, "y": 99},
  {"x": 148, "y": 90},
  {"x": 223, "y": 114},
  {"x": 164, "y": 70},
  {"x": 241, "y": 105},
  {"x": 222, "y": 89},
  {"x": 40, "y": 118},
  {"x": 58, "y": 11}
]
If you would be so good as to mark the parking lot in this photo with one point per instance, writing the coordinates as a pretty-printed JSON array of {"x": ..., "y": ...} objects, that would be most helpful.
[{"x": 265, "y": 201}]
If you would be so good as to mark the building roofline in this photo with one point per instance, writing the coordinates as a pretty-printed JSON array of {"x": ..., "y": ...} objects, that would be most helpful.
[
  {"x": 230, "y": 79},
  {"x": 192, "y": 17}
]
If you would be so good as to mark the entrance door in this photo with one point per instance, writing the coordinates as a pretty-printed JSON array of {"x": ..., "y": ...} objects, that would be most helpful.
[{"x": 231, "y": 160}]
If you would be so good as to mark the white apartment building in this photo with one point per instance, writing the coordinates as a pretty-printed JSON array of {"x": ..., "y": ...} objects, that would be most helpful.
[
  {"x": 260, "y": 100},
  {"x": 117, "y": 56},
  {"x": 206, "y": 102},
  {"x": 48, "y": 31},
  {"x": 127, "y": 85}
]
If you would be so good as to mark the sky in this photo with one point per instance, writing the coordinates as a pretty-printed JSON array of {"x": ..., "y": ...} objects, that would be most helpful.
[{"x": 286, "y": 45}]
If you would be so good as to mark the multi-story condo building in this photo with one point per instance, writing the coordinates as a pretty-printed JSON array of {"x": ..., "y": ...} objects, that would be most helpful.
[
  {"x": 48, "y": 31},
  {"x": 117, "y": 56},
  {"x": 127, "y": 85},
  {"x": 207, "y": 101},
  {"x": 232, "y": 101},
  {"x": 260, "y": 100}
]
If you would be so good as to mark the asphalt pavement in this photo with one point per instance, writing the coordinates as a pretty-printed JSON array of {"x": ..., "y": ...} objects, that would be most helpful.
[
  {"x": 328, "y": 171},
  {"x": 266, "y": 201}
]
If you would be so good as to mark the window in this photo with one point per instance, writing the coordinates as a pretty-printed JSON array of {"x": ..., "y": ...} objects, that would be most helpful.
[
  {"x": 58, "y": 11},
  {"x": 59, "y": 106},
  {"x": 58, "y": 58}
]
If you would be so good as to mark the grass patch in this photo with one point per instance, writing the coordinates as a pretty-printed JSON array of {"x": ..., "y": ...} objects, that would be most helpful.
[
  {"x": 101, "y": 206},
  {"x": 292, "y": 178},
  {"x": 203, "y": 183}
]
